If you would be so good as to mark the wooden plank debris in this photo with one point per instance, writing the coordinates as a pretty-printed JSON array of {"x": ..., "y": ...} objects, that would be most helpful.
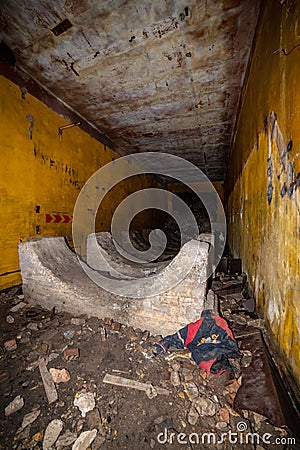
[{"x": 125, "y": 382}]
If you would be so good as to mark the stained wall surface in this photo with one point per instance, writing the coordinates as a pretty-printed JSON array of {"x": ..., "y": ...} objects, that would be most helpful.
[
  {"x": 42, "y": 175},
  {"x": 263, "y": 177}
]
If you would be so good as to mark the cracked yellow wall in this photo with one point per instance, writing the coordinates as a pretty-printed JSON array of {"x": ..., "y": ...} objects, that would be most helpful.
[
  {"x": 267, "y": 236},
  {"x": 39, "y": 170}
]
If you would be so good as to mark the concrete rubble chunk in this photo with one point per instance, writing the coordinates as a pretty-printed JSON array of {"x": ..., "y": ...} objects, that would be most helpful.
[
  {"x": 10, "y": 345},
  {"x": 93, "y": 418},
  {"x": 174, "y": 378},
  {"x": 85, "y": 402},
  {"x": 84, "y": 440},
  {"x": 191, "y": 389},
  {"x": 29, "y": 418},
  {"x": 204, "y": 407},
  {"x": 48, "y": 265},
  {"x": 151, "y": 392},
  {"x": 65, "y": 440},
  {"x": 77, "y": 321},
  {"x": 192, "y": 416},
  {"x": 59, "y": 375},
  {"x": 49, "y": 385},
  {"x": 18, "y": 306},
  {"x": 52, "y": 432},
  {"x": 15, "y": 405}
]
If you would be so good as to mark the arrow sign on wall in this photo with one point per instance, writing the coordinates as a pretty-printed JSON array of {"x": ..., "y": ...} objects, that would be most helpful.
[{"x": 58, "y": 218}]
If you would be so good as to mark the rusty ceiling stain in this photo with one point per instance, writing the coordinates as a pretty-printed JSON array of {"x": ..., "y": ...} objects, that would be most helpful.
[{"x": 153, "y": 76}]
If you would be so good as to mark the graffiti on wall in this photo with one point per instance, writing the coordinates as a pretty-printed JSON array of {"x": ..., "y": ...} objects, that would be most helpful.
[{"x": 287, "y": 176}]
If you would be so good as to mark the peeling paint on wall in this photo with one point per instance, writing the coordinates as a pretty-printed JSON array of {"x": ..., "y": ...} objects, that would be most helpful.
[{"x": 266, "y": 236}]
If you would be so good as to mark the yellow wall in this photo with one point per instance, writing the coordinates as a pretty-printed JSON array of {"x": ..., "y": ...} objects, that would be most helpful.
[
  {"x": 43, "y": 171},
  {"x": 267, "y": 236}
]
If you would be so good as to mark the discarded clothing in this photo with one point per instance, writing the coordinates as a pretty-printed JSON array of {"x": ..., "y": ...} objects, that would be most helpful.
[{"x": 210, "y": 341}]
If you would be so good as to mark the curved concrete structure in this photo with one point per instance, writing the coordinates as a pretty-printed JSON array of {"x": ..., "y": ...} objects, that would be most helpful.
[{"x": 52, "y": 276}]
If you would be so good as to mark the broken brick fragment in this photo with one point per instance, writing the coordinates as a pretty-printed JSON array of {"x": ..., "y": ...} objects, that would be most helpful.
[
  {"x": 10, "y": 345},
  {"x": 71, "y": 353},
  {"x": 224, "y": 415}
]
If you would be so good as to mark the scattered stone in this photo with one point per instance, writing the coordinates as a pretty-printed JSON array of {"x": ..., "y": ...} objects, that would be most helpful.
[
  {"x": 232, "y": 387},
  {"x": 175, "y": 366},
  {"x": 29, "y": 418},
  {"x": 258, "y": 419},
  {"x": 174, "y": 378},
  {"x": 10, "y": 319},
  {"x": 192, "y": 390},
  {"x": 204, "y": 407},
  {"x": 47, "y": 381},
  {"x": 224, "y": 415},
  {"x": 187, "y": 374},
  {"x": 145, "y": 335},
  {"x": 158, "y": 420},
  {"x": 23, "y": 434},
  {"x": 42, "y": 349},
  {"x": 79, "y": 425},
  {"x": 98, "y": 442},
  {"x": 257, "y": 323},
  {"x": 151, "y": 392},
  {"x": 103, "y": 334},
  {"x": 10, "y": 345},
  {"x": 52, "y": 432},
  {"x": 15, "y": 405},
  {"x": 93, "y": 418},
  {"x": 108, "y": 321},
  {"x": 66, "y": 440},
  {"x": 33, "y": 326},
  {"x": 192, "y": 416},
  {"x": 84, "y": 440},
  {"x": 246, "y": 359},
  {"x": 116, "y": 326},
  {"x": 17, "y": 307},
  {"x": 71, "y": 354},
  {"x": 77, "y": 321},
  {"x": 85, "y": 402},
  {"x": 59, "y": 375},
  {"x": 221, "y": 425},
  {"x": 152, "y": 443},
  {"x": 25, "y": 339},
  {"x": 230, "y": 398},
  {"x": 21, "y": 296}
]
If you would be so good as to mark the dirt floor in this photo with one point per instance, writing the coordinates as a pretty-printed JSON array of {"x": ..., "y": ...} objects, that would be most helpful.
[{"x": 115, "y": 417}]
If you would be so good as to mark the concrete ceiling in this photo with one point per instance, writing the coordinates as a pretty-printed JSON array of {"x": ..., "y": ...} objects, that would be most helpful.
[{"x": 164, "y": 75}]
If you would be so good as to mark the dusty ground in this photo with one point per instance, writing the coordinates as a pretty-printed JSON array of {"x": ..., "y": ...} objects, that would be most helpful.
[{"x": 123, "y": 418}]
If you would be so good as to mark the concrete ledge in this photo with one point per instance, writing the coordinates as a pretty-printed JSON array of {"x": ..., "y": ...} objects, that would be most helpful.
[{"x": 52, "y": 276}]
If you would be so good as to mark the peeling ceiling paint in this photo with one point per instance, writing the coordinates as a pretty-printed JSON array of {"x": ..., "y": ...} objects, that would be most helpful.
[{"x": 153, "y": 76}]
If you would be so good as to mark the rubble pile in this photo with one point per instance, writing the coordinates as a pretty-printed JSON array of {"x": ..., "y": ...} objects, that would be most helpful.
[{"x": 85, "y": 383}]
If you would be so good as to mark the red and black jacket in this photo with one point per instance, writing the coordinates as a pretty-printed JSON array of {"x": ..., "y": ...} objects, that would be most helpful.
[{"x": 210, "y": 341}]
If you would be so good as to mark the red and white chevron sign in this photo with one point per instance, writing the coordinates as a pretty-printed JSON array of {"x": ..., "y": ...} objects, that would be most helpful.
[{"x": 58, "y": 218}]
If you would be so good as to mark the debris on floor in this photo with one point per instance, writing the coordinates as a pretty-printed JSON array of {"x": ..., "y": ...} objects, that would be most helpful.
[{"x": 84, "y": 383}]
